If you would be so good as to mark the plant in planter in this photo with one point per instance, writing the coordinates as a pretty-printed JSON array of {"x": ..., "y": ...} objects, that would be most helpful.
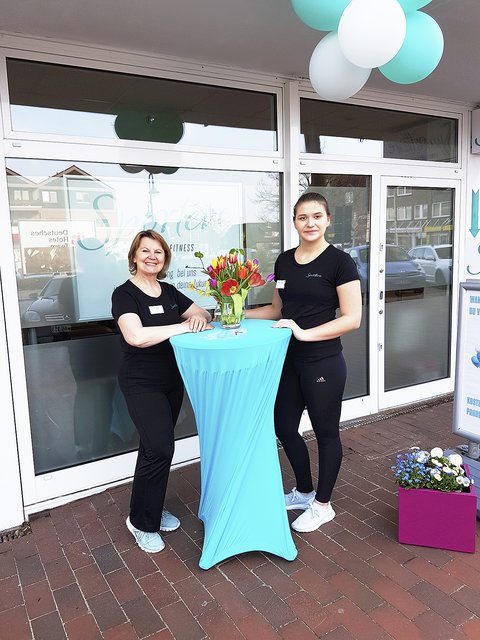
[{"x": 436, "y": 500}]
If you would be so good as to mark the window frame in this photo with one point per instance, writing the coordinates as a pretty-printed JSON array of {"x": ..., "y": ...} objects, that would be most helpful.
[
  {"x": 163, "y": 74},
  {"x": 401, "y": 105}
]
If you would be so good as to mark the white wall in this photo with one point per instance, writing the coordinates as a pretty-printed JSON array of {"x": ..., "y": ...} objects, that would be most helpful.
[{"x": 11, "y": 511}]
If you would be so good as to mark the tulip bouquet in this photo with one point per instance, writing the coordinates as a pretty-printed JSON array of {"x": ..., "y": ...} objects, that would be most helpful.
[
  {"x": 431, "y": 470},
  {"x": 230, "y": 277}
]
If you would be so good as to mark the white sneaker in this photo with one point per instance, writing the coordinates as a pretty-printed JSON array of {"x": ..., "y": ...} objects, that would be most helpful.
[
  {"x": 297, "y": 500},
  {"x": 169, "y": 522},
  {"x": 146, "y": 540},
  {"x": 313, "y": 518}
]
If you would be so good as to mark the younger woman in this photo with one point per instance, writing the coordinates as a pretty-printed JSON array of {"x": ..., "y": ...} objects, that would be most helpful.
[{"x": 312, "y": 282}]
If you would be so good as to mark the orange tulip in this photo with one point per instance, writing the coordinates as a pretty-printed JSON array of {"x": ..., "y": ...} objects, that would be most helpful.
[{"x": 242, "y": 272}]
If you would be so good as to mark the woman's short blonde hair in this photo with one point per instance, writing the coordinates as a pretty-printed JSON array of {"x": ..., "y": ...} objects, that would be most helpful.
[{"x": 153, "y": 235}]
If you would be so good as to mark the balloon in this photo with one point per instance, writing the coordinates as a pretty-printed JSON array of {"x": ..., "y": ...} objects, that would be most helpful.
[
  {"x": 155, "y": 126},
  {"x": 132, "y": 168},
  {"x": 320, "y": 14},
  {"x": 371, "y": 32},
  {"x": 169, "y": 170},
  {"x": 420, "y": 52},
  {"x": 136, "y": 168},
  {"x": 332, "y": 76},
  {"x": 155, "y": 169},
  {"x": 413, "y": 5}
]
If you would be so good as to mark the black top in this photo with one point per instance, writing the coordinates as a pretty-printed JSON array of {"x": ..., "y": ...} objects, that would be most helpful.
[
  {"x": 159, "y": 311},
  {"x": 309, "y": 294}
]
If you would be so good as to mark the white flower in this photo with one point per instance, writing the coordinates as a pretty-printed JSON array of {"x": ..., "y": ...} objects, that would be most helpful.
[
  {"x": 436, "y": 452},
  {"x": 437, "y": 476},
  {"x": 466, "y": 482},
  {"x": 421, "y": 456},
  {"x": 436, "y": 462},
  {"x": 455, "y": 459},
  {"x": 414, "y": 448},
  {"x": 459, "y": 480},
  {"x": 448, "y": 471}
]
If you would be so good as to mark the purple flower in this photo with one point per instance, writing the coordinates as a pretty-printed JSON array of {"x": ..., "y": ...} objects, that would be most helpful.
[
  {"x": 213, "y": 283},
  {"x": 270, "y": 277}
]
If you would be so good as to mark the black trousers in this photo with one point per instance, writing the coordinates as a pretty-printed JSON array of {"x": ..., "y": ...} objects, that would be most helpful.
[
  {"x": 154, "y": 413},
  {"x": 318, "y": 385}
]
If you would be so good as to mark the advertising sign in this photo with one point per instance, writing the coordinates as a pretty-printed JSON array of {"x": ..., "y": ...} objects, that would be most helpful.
[
  {"x": 46, "y": 245},
  {"x": 466, "y": 410}
]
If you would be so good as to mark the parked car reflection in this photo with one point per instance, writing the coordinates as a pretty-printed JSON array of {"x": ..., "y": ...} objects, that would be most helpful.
[
  {"x": 401, "y": 272},
  {"x": 436, "y": 261},
  {"x": 55, "y": 303}
]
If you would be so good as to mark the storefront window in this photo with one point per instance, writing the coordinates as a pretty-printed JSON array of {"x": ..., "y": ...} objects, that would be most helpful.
[
  {"x": 351, "y": 130},
  {"x": 71, "y": 251},
  {"x": 90, "y": 103}
]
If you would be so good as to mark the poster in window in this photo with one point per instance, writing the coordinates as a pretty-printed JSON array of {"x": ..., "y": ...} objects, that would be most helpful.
[{"x": 466, "y": 412}]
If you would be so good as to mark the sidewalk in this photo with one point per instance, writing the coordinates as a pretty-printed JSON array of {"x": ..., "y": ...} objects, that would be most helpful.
[{"x": 79, "y": 575}]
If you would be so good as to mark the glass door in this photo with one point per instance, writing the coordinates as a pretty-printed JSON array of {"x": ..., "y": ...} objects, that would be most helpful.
[
  {"x": 350, "y": 199},
  {"x": 416, "y": 268},
  {"x": 401, "y": 235}
]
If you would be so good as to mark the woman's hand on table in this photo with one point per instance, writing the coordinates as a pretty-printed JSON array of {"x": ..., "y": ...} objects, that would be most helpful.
[
  {"x": 196, "y": 323},
  {"x": 285, "y": 323}
]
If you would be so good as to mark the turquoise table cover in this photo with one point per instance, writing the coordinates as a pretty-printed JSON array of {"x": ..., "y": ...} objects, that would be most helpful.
[{"x": 231, "y": 377}]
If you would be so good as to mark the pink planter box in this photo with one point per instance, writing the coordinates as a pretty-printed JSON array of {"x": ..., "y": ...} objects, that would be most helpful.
[{"x": 430, "y": 518}]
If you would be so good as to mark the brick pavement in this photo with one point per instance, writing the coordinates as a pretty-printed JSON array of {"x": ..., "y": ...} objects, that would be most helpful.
[{"x": 78, "y": 575}]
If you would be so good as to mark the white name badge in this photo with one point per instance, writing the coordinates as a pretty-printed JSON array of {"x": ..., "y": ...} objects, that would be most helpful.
[
  {"x": 280, "y": 284},
  {"x": 156, "y": 309}
]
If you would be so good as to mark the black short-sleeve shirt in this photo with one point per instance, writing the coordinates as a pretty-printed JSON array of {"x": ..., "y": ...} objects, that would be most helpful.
[
  {"x": 159, "y": 311},
  {"x": 309, "y": 293},
  {"x": 148, "y": 369}
]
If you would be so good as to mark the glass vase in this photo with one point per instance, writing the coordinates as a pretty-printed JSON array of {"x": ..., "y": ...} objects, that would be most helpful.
[{"x": 229, "y": 315}]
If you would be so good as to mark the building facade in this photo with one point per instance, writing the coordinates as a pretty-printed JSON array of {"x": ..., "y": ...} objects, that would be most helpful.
[{"x": 97, "y": 146}]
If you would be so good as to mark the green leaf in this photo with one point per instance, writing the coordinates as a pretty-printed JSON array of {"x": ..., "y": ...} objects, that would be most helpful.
[{"x": 237, "y": 304}]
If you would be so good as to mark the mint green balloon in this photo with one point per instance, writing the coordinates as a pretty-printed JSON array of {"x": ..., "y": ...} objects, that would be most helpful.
[
  {"x": 413, "y": 5},
  {"x": 323, "y": 15},
  {"x": 420, "y": 52}
]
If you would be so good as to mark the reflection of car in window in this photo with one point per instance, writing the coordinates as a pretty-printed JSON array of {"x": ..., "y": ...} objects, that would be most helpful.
[
  {"x": 55, "y": 303},
  {"x": 436, "y": 261},
  {"x": 401, "y": 272}
]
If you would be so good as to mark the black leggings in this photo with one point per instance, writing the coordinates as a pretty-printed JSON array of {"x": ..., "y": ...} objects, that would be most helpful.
[
  {"x": 154, "y": 414},
  {"x": 317, "y": 385}
]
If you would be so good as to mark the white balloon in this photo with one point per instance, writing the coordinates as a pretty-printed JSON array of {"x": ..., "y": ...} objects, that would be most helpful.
[
  {"x": 371, "y": 32},
  {"x": 332, "y": 76}
]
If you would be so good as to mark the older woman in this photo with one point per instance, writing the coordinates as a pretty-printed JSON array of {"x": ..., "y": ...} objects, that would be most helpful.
[{"x": 148, "y": 312}]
